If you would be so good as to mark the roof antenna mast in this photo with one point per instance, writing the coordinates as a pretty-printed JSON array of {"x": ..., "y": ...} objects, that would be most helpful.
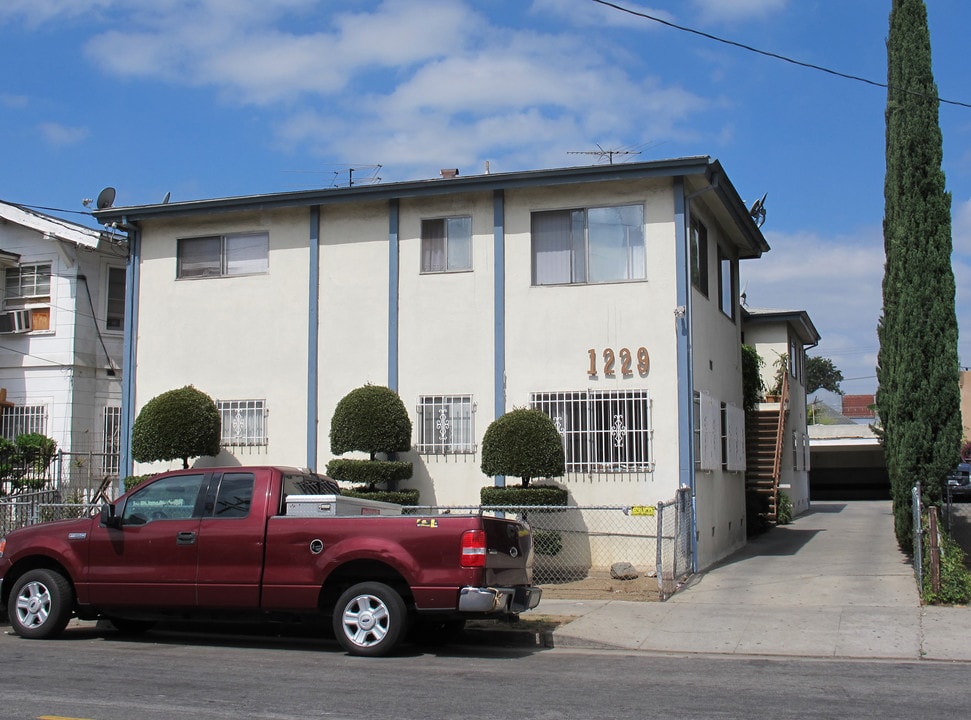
[{"x": 601, "y": 153}]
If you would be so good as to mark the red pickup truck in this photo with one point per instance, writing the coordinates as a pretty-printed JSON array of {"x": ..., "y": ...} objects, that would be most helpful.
[{"x": 232, "y": 544}]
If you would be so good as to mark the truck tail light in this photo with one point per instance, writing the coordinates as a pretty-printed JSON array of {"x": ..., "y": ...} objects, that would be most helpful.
[{"x": 474, "y": 548}]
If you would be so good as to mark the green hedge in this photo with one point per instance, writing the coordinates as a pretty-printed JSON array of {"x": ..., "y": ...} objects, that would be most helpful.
[
  {"x": 955, "y": 577},
  {"x": 369, "y": 472},
  {"x": 518, "y": 495},
  {"x": 400, "y": 497}
]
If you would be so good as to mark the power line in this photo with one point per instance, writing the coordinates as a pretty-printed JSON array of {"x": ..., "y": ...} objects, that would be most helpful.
[{"x": 765, "y": 53}]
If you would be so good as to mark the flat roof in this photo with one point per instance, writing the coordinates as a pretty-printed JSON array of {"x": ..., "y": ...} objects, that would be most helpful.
[{"x": 702, "y": 169}]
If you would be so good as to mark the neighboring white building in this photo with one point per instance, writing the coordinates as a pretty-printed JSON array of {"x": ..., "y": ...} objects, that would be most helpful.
[
  {"x": 781, "y": 338},
  {"x": 604, "y": 295},
  {"x": 61, "y": 339}
]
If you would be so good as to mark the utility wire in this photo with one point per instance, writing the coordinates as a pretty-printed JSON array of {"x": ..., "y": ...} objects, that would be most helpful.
[{"x": 765, "y": 53}]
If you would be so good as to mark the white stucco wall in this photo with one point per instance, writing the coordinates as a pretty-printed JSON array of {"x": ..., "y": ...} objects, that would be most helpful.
[{"x": 246, "y": 337}]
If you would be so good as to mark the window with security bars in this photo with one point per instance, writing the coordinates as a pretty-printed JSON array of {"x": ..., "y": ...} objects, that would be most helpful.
[
  {"x": 603, "y": 431},
  {"x": 24, "y": 419},
  {"x": 112, "y": 441},
  {"x": 445, "y": 424},
  {"x": 243, "y": 422}
]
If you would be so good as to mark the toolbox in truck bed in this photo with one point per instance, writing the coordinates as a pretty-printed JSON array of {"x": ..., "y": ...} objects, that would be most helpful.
[{"x": 337, "y": 505}]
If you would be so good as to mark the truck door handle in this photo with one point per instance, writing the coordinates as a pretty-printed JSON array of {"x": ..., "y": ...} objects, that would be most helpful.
[{"x": 185, "y": 538}]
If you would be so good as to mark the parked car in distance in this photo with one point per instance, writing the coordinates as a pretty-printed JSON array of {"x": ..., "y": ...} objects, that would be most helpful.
[{"x": 959, "y": 482}]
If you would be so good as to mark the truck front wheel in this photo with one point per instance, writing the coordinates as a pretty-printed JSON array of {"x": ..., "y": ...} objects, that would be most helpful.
[
  {"x": 41, "y": 603},
  {"x": 370, "y": 619}
]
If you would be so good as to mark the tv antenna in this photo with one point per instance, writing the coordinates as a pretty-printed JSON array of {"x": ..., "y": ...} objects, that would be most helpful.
[
  {"x": 601, "y": 153},
  {"x": 368, "y": 175}
]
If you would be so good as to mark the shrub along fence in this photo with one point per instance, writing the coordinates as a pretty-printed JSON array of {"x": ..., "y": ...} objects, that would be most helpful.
[
  {"x": 939, "y": 561},
  {"x": 573, "y": 543}
]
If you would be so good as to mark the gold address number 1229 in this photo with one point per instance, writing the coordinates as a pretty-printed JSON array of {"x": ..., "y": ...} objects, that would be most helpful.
[{"x": 625, "y": 358}]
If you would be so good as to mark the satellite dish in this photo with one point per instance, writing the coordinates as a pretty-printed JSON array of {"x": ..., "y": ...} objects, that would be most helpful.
[
  {"x": 105, "y": 198},
  {"x": 757, "y": 211},
  {"x": 166, "y": 198}
]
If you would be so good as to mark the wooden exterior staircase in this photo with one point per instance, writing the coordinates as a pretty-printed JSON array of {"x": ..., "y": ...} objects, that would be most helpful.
[{"x": 764, "y": 436}]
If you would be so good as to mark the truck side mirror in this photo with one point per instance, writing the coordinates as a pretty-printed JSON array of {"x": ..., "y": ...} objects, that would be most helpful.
[{"x": 109, "y": 518}]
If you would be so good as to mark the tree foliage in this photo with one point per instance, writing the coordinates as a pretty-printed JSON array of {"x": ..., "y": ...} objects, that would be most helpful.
[
  {"x": 753, "y": 386},
  {"x": 918, "y": 397},
  {"x": 822, "y": 374},
  {"x": 523, "y": 443},
  {"x": 177, "y": 424},
  {"x": 370, "y": 419}
]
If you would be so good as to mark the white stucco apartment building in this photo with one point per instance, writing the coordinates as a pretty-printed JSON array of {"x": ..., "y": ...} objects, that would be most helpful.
[
  {"x": 605, "y": 295},
  {"x": 61, "y": 338}
]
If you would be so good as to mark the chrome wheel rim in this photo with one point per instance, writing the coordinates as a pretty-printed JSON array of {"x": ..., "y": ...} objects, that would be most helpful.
[
  {"x": 366, "y": 620},
  {"x": 33, "y": 604}
]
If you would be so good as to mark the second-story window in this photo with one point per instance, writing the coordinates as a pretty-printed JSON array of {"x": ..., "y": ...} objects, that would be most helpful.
[
  {"x": 699, "y": 256},
  {"x": 446, "y": 244},
  {"x": 27, "y": 291},
  {"x": 593, "y": 245},
  {"x": 223, "y": 255},
  {"x": 115, "y": 303}
]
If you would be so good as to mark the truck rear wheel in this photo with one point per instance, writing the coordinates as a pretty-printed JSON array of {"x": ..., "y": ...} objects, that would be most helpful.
[
  {"x": 40, "y": 605},
  {"x": 370, "y": 619}
]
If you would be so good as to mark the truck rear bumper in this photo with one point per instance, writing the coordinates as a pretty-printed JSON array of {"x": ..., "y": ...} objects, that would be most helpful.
[{"x": 498, "y": 599}]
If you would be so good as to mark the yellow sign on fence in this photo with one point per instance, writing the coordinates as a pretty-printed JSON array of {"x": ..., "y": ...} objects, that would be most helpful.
[{"x": 643, "y": 510}]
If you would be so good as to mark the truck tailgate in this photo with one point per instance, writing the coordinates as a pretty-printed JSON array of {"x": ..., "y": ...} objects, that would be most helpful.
[{"x": 509, "y": 560}]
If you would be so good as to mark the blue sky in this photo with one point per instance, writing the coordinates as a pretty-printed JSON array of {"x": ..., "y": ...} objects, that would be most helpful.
[{"x": 214, "y": 98}]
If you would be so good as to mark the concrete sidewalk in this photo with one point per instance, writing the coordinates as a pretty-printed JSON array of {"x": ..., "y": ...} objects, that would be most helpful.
[{"x": 831, "y": 584}]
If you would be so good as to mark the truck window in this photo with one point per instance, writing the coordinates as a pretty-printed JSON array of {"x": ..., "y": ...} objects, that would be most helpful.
[
  {"x": 311, "y": 484},
  {"x": 172, "y": 498},
  {"x": 235, "y": 496}
]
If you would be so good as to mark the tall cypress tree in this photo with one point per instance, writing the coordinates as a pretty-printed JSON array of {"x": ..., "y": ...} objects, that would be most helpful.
[{"x": 918, "y": 397}]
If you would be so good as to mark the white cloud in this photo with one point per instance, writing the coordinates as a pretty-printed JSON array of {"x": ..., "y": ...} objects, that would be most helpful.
[
  {"x": 838, "y": 281},
  {"x": 737, "y": 10},
  {"x": 37, "y": 12},
  {"x": 61, "y": 135}
]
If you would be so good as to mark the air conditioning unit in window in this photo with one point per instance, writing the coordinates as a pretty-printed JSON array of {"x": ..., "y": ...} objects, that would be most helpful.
[{"x": 15, "y": 321}]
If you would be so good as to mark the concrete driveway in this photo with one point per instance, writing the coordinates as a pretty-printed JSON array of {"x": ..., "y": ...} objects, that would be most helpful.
[{"x": 831, "y": 584}]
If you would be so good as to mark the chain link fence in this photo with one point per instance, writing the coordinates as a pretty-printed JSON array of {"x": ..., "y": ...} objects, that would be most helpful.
[{"x": 573, "y": 543}]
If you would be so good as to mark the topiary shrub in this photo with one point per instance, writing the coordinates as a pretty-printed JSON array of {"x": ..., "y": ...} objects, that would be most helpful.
[
  {"x": 371, "y": 419},
  {"x": 133, "y": 481},
  {"x": 547, "y": 542},
  {"x": 177, "y": 424},
  {"x": 517, "y": 495},
  {"x": 400, "y": 497},
  {"x": 523, "y": 443}
]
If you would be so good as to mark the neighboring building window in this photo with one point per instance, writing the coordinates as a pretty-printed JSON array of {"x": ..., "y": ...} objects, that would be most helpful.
[
  {"x": 111, "y": 446},
  {"x": 115, "y": 310},
  {"x": 243, "y": 422},
  {"x": 445, "y": 424},
  {"x": 223, "y": 255},
  {"x": 25, "y": 288},
  {"x": 23, "y": 419},
  {"x": 699, "y": 257},
  {"x": 726, "y": 285},
  {"x": 603, "y": 431},
  {"x": 446, "y": 244},
  {"x": 588, "y": 246}
]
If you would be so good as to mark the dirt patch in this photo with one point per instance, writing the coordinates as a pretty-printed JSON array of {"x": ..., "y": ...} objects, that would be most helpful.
[{"x": 599, "y": 585}]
